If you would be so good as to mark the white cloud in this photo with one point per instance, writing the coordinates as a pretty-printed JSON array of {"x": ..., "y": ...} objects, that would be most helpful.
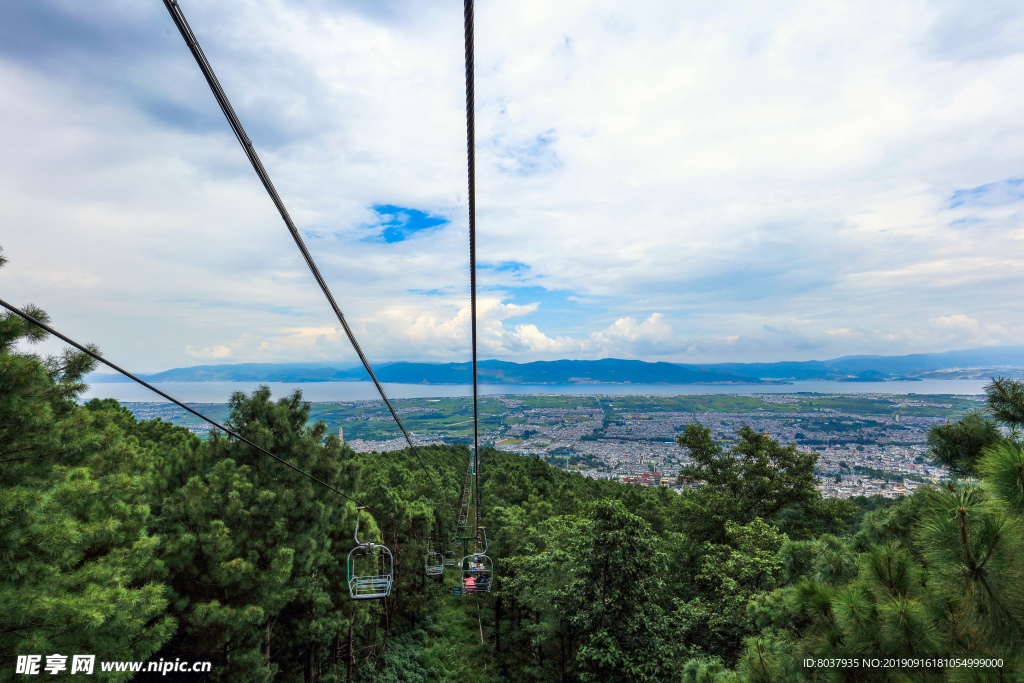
[
  {"x": 440, "y": 337},
  {"x": 652, "y": 337},
  {"x": 955, "y": 323},
  {"x": 214, "y": 353},
  {"x": 653, "y": 328},
  {"x": 964, "y": 330}
]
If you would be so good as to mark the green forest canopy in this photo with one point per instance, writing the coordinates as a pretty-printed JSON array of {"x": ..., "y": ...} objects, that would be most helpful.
[{"x": 137, "y": 541}]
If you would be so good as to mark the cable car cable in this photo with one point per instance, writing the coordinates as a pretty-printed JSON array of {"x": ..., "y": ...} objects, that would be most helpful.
[
  {"x": 236, "y": 126},
  {"x": 101, "y": 359},
  {"x": 471, "y": 171}
]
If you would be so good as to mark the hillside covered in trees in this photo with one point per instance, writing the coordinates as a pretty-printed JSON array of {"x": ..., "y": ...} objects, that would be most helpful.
[{"x": 138, "y": 541}]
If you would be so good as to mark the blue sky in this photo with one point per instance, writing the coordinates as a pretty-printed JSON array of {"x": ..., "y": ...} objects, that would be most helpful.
[
  {"x": 1004, "y": 192},
  {"x": 689, "y": 182},
  {"x": 399, "y": 223}
]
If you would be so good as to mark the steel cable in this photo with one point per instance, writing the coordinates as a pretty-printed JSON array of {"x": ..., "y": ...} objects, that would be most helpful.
[
  {"x": 236, "y": 126},
  {"x": 471, "y": 171},
  {"x": 229, "y": 432}
]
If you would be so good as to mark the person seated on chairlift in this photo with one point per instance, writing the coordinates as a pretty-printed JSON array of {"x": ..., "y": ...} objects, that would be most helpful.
[
  {"x": 470, "y": 583},
  {"x": 482, "y": 583}
]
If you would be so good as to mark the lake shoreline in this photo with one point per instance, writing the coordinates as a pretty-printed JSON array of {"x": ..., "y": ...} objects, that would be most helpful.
[{"x": 318, "y": 392}]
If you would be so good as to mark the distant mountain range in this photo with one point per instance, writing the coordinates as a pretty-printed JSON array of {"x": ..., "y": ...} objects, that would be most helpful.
[{"x": 967, "y": 364}]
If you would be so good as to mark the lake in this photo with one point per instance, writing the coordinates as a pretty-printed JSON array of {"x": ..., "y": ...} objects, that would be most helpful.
[{"x": 220, "y": 392}]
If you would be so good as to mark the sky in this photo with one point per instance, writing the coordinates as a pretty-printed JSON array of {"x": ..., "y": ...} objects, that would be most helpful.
[{"x": 667, "y": 181}]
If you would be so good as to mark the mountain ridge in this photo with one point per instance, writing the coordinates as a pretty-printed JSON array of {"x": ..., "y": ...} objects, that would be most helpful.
[{"x": 961, "y": 364}]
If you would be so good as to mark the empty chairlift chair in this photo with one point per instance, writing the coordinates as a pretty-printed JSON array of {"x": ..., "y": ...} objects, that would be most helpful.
[
  {"x": 433, "y": 564},
  {"x": 371, "y": 569}
]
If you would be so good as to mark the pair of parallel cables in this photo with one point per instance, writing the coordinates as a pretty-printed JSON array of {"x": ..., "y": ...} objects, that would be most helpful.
[{"x": 218, "y": 92}]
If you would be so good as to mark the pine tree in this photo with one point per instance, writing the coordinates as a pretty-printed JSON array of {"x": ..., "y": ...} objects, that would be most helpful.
[
  {"x": 757, "y": 478},
  {"x": 255, "y": 551},
  {"x": 958, "y": 446},
  {"x": 613, "y": 595},
  {"x": 77, "y": 567},
  {"x": 712, "y": 615},
  {"x": 939, "y": 575}
]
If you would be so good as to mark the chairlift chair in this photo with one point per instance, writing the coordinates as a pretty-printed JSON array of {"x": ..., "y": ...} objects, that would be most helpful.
[
  {"x": 371, "y": 569},
  {"x": 477, "y": 569},
  {"x": 433, "y": 564},
  {"x": 477, "y": 573}
]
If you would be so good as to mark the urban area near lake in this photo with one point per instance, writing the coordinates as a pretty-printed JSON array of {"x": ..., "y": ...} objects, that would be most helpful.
[{"x": 868, "y": 444}]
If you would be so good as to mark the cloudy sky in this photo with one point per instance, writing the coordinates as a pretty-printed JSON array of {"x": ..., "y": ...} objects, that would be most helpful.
[{"x": 682, "y": 181}]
